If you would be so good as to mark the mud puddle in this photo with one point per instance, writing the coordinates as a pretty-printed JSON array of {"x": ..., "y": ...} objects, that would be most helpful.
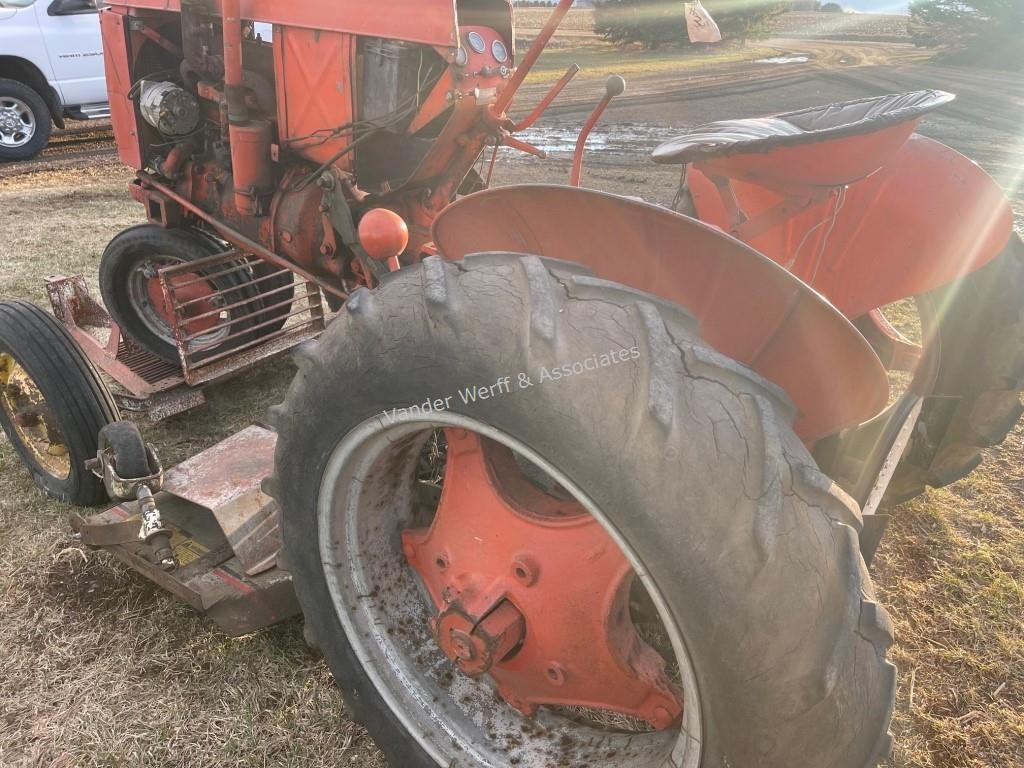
[{"x": 613, "y": 138}]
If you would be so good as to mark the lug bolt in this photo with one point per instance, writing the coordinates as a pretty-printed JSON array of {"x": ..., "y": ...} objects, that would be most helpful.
[{"x": 26, "y": 419}]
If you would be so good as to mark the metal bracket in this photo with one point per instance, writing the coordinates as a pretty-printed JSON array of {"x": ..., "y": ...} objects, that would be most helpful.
[
  {"x": 126, "y": 489},
  {"x": 151, "y": 531}
]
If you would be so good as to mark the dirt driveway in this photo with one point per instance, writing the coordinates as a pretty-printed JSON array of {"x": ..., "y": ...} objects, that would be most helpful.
[{"x": 98, "y": 668}]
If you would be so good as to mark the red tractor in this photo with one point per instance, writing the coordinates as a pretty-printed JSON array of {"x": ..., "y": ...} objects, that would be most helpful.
[{"x": 570, "y": 479}]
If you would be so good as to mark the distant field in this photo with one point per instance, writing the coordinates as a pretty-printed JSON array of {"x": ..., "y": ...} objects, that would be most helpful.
[
  {"x": 577, "y": 20},
  {"x": 839, "y": 26},
  {"x": 843, "y": 26}
]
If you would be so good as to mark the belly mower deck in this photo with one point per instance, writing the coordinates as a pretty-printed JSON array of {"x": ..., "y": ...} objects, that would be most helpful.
[{"x": 223, "y": 531}]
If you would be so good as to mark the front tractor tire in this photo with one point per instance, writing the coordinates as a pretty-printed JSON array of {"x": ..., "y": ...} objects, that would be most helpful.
[
  {"x": 740, "y": 582},
  {"x": 223, "y": 306},
  {"x": 53, "y": 403}
]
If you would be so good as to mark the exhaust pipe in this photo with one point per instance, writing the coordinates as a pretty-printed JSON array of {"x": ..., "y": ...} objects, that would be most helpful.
[{"x": 250, "y": 139}]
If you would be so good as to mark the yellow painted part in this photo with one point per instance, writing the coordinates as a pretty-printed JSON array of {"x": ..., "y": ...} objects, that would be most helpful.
[{"x": 52, "y": 456}]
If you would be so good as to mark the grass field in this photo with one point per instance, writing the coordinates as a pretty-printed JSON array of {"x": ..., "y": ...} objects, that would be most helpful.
[
  {"x": 598, "y": 59},
  {"x": 856, "y": 26}
]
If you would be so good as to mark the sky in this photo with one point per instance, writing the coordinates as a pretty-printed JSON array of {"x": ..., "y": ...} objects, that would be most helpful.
[{"x": 876, "y": 6}]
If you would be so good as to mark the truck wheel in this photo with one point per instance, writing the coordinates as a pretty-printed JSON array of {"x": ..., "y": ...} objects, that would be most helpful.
[
  {"x": 134, "y": 298},
  {"x": 53, "y": 403},
  {"x": 633, "y": 560},
  {"x": 24, "y": 121},
  {"x": 981, "y": 373}
]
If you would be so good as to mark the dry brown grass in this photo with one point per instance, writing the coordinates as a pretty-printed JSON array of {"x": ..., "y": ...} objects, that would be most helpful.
[
  {"x": 98, "y": 668},
  {"x": 952, "y": 575}
]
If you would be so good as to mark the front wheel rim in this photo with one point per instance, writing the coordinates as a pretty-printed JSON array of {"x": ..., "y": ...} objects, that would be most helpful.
[
  {"x": 145, "y": 294},
  {"x": 17, "y": 122},
  {"x": 455, "y": 719},
  {"x": 32, "y": 420}
]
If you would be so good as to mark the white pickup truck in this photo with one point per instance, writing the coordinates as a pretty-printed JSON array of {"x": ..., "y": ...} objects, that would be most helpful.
[{"x": 51, "y": 67}]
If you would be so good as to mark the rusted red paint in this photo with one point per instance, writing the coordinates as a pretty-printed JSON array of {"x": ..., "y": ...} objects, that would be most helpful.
[
  {"x": 531, "y": 590},
  {"x": 307, "y": 67},
  {"x": 117, "y": 68},
  {"x": 927, "y": 217},
  {"x": 196, "y": 291},
  {"x": 422, "y": 21}
]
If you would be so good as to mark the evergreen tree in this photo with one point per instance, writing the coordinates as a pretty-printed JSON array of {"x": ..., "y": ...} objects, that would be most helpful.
[{"x": 985, "y": 31}]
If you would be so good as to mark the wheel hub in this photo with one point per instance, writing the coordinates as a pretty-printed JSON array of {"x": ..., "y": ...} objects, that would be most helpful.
[
  {"x": 531, "y": 590},
  {"x": 16, "y": 124},
  {"x": 32, "y": 419},
  {"x": 477, "y": 644}
]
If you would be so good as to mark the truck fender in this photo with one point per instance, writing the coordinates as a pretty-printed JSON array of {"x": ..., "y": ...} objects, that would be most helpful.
[{"x": 24, "y": 71}]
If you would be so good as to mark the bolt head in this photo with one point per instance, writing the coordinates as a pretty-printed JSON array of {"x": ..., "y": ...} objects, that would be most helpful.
[
  {"x": 556, "y": 674},
  {"x": 462, "y": 645}
]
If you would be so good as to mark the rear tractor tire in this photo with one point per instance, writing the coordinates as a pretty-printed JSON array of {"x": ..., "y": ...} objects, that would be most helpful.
[
  {"x": 629, "y": 462},
  {"x": 53, "y": 403},
  {"x": 981, "y": 375}
]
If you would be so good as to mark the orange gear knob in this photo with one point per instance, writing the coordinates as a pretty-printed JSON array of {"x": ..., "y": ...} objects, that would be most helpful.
[{"x": 383, "y": 234}]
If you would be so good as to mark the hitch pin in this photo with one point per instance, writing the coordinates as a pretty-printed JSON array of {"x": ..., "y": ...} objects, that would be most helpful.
[{"x": 152, "y": 531}]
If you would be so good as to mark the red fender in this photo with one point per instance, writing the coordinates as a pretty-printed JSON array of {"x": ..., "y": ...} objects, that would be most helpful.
[
  {"x": 928, "y": 216},
  {"x": 748, "y": 307}
]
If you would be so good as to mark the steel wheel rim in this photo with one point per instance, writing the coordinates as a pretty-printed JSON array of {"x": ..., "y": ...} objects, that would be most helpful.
[
  {"x": 17, "y": 122},
  {"x": 355, "y": 550},
  {"x": 52, "y": 456},
  {"x": 142, "y": 304}
]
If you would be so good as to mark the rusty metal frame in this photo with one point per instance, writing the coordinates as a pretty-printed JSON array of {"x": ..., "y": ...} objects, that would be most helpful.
[
  {"x": 225, "y": 535},
  {"x": 304, "y": 319},
  {"x": 140, "y": 374},
  {"x": 145, "y": 383}
]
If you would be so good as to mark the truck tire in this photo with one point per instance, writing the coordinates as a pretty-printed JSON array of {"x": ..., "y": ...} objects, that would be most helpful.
[
  {"x": 687, "y": 460},
  {"x": 981, "y": 372},
  {"x": 125, "y": 286},
  {"x": 25, "y": 121},
  {"x": 44, "y": 375}
]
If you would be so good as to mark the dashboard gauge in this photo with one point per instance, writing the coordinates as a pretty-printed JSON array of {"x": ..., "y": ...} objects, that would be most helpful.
[
  {"x": 500, "y": 51},
  {"x": 476, "y": 42}
]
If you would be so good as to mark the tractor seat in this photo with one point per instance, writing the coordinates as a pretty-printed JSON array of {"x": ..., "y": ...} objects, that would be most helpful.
[{"x": 845, "y": 120}]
